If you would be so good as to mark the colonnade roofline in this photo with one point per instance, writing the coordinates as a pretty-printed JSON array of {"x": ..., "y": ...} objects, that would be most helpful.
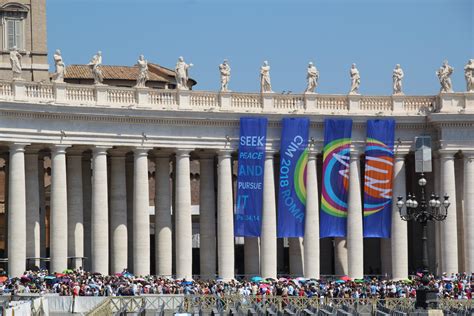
[{"x": 145, "y": 99}]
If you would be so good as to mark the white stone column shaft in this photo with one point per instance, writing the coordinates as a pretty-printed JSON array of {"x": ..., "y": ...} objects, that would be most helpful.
[
  {"x": 75, "y": 208},
  {"x": 207, "y": 218},
  {"x": 99, "y": 212},
  {"x": 118, "y": 213},
  {"x": 32, "y": 208},
  {"x": 399, "y": 236},
  {"x": 16, "y": 211},
  {"x": 163, "y": 224},
  {"x": 87, "y": 204},
  {"x": 268, "y": 238},
  {"x": 183, "y": 221},
  {"x": 42, "y": 205},
  {"x": 311, "y": 228},
  {"x": 355, "y": 241},
  {"x": 141, "y": 213},
  {"x": 341, "y": 265},
  {"x": 58, "y": 230},
  {"x": 449, "y": 247},
  {"x": 225, "y": 217},
  {"x": 469, "y": 210}
]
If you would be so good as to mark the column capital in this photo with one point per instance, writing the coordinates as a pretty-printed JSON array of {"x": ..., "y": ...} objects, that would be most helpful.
[
  {"x": 225, "y": 153},
  {"x": 100, "y": 150},
  {"x": 183, "y": 152},
  {"x": 141, "y": 151},
  {"x": 447, "y": 153},
  {"x": 356, "y": 150},
  {"x": 19, "y": 147},
  {"x": 59, "y": 148},
  {"x": 400, "y": 154},
  {"x": 270, "y": 153}
]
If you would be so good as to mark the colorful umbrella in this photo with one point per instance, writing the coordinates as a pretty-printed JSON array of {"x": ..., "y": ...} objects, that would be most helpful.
[
  {"x": 256, "y": 279},
  {"x": 346, "y": 278}
]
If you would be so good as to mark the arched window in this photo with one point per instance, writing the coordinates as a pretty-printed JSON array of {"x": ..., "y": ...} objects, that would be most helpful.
[{"x": 13, "y": 17}]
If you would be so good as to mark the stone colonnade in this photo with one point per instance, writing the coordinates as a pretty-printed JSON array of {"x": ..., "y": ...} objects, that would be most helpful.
[{"x": 105, "y": 238}]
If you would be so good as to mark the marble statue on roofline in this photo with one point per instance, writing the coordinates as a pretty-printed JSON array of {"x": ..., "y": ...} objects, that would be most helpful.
[
  {"x": 444, "y": 75},
  {"x": 143, "y": 72},
  {"x": 15, "y": 61},
  {"x": 312, "y": 77},
  {"x": 355, "y": 80},
  {"x": 95, "y": 66},
  {"x": 182, "y": 74},
  {"x": 397, "y": 77},
  {"x": 265, "y": 83},
  {"x": 469, "y": 75},
  {"x": 224, "y": 70},
  {"x": 60, "y": 67}
]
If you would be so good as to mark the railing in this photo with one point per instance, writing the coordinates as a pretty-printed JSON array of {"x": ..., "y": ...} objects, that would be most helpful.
[
  {"x": 153, "y": 99},
  {"x": 206, "y": 303}
]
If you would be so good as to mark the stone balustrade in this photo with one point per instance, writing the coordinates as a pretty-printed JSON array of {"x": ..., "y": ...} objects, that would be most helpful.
[{"x": 237, "y": 102}]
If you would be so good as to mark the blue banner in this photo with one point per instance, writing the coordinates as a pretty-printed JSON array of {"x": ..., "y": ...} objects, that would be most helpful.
[
  {"x": 334, "y": 195},
  {"x": 252, "y": 141},
  {"x": 292, "y": 184},
  {"x": 378, "y": 178}
]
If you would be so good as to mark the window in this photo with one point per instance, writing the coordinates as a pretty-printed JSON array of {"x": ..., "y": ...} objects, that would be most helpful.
[
  {"x": 14, "y": 33},
  {"x": 13, "y": 18}
]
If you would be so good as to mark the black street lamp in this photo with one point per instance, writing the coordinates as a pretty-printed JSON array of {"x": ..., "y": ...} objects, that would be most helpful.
[{"x": 423, "y": 212}]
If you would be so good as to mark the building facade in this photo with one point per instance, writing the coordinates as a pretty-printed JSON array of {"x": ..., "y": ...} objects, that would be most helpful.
[{"x": 142, "y": 178}]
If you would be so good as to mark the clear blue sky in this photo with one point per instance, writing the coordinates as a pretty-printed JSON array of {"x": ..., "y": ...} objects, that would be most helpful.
[{"x": 375, "y": 34}]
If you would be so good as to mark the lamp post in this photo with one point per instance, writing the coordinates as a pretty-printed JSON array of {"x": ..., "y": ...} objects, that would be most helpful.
[{"x": 423, "y": 211}]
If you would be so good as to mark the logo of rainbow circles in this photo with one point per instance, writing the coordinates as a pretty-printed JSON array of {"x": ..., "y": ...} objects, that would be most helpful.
[
  {"x": 299, "y": 177},
  {"x": 336, "y": 177},
  {"x": 378, "y": 176}
]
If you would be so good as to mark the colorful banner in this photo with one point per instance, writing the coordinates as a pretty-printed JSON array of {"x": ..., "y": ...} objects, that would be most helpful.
[
  {"x": 252, "y": 141},
  {"x": 335, "y": 188},
  {"x": 292, "y": 184},
  {"x": 378, "y": 178}
]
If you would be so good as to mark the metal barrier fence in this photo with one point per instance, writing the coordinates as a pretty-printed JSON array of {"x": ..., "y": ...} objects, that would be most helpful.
[{"x": 208, "y": 303}]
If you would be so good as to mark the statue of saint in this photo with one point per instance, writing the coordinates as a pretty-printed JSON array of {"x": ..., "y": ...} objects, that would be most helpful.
[
  {"x": 265, "y": 84},
  {"x": 224, "y": 69},
  {"x": 95, "y": 65},
  {"x": 444, "y": 75},
  {"x": 397, "y": 77},
  {"x": 469, "y": 75},
  {"x": 312, "y": 77},
  {"x": 182, "y": 74},
  {"x": 143, "y": 72},
  {"x": 15, "y": 61},
  {"x": 60, "y": 71},
  {"x": 355, "y": 80}
]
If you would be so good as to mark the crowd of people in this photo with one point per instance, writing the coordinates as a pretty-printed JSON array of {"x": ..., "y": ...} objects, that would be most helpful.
[{"x": 81, "y": 283}]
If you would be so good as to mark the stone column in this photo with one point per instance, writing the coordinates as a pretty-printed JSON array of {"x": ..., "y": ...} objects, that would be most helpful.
[
  {"x": 141, "y": 213},
  {"x": 99, "y": 212},
  {"x": 296, "y": 253},
  {"x": 42, "y": 205},
  {"x": 87, "y": 204},
  {"x": 449, "y": 248},
  {"x": 207, "y": 217},
  {"x": 341, "y": 265},
  {"x": 118, "y": 212},
  {"x": 469, "y": 210},
  {"x": 129, "y": 185},
  {"x": 75, "y": 207},
  {"x": 251, "y": 256},
  {"x": 32, "y": 208},
  {"x": 163, "y": 223},
  {"x": 355, "y": 241},
  {"x": 311, "y": 228},
  {"x": 399, "y": 237},
  {"x": 58, "y": 230},
  {"x": 268, "y": 238},
  {"x": 184, "y": 246},
  {"x": 225, "y": 217},
  {"x": 16, "y": 211}
]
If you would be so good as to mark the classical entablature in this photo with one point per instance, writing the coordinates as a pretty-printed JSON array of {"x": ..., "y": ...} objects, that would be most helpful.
[{"x": 114, "y": 116}]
